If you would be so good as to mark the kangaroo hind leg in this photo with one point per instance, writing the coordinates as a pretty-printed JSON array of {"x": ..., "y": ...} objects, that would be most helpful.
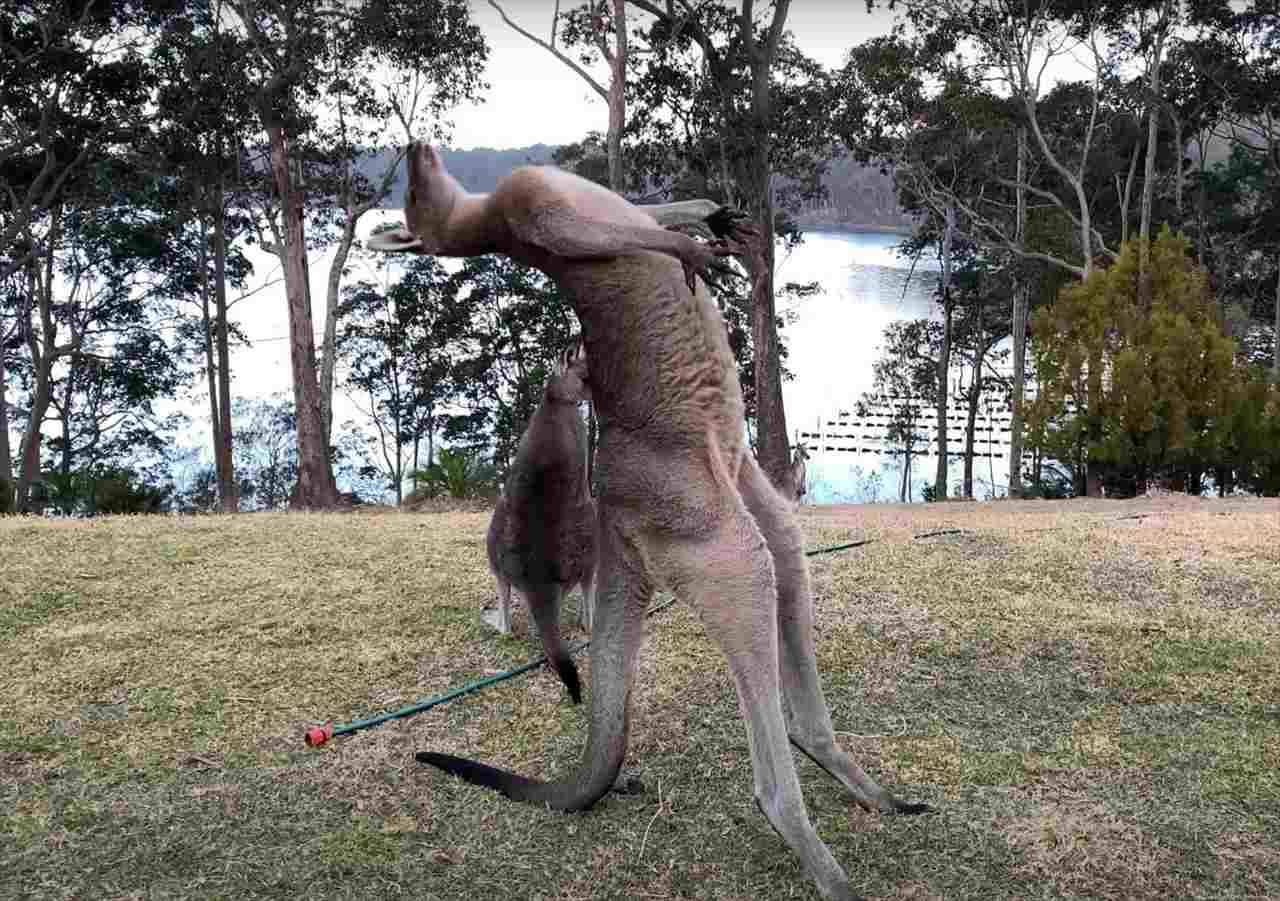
[
  {"x": 500, "y": 616},
  {"x": 808, "y": 717},
  {"x": 730, "y": 579}
]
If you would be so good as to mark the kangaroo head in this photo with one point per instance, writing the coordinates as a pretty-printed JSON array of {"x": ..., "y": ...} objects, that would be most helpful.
[
  {"x": 428, "y": 201},
  {"x": 568, "y": 382}
]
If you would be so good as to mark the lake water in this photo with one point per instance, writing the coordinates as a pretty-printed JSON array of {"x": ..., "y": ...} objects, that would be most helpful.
[{"x": 833, "y": 343}]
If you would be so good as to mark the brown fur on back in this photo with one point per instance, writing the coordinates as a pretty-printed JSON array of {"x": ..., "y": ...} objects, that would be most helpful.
[{"x": 543, "y": 527}]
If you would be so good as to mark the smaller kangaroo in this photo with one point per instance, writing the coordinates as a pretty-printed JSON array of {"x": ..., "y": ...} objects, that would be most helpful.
[
  {"x": 542, "y": 538},
  {"x": 799, "y": 481}
]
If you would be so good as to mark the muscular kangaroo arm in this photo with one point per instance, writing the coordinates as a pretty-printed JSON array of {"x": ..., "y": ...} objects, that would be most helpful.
[
  {"x": 681, "y": 212},
  {"x": 570, "y": 236}
]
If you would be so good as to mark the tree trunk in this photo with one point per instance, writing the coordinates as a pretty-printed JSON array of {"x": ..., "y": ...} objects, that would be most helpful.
[
  {"x": 1021, "y": 300},
  {"x": 42, "y": 358},
  {"x": 617, "y": 97},
  {"x": 328, "y": 357},
  {"x": 29, "y": 466},
  {"x": 975, "y": 396},
  {"x": 773, "y": 449},
  {"x": 1149, "y": 169},
  {"x": 6, "y": 452},
  {"x": 228, "y": 489},
  {"x": 65, "y": 414},
  {"x": 315, "y": 488},
  {"x": 1178, "y": 150},
  {"x": 944, "y": 356},
  {"x": 1125, "y": 202},
  {"x": 1092, "y": 469},
  {"x": 970, "y": 434},
  {"x": 1275, "y": 338},
  {"x": 210, "y": 367}
]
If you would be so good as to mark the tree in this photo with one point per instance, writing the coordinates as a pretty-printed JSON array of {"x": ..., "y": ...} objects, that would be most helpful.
[
  {"x": 72, "y": 85},
  {"x": 86, "y": 309},
  {"x": 518, "y": 325},
  {"x": 905, "y": 379},
  {"x": 441, "y": 68},
  {"x": 979, "y": 288},
  {"x": 400, "y": 343},
  {"x": 205, "y": 113},
  {"x": 266, "y": 451},
  {"x": 1125, "y": 386},
  {"x": 589, "y": 28},
  {"x": 723, "y": 104},
  {"x": 305, "y": 49}
]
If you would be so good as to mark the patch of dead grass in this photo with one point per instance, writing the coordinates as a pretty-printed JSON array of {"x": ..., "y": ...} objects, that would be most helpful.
[
  {"x": 1085, "y": 847},
  {"x": 1087, "y": 690}
]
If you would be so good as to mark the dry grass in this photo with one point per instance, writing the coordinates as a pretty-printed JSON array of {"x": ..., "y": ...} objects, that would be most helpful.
[{"x": 1090, "y": 692}]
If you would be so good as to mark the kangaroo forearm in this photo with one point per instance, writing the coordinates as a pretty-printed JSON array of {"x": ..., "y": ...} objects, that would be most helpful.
[
  {"x": 681, "y": 212},
  {"x": 574, "y": 238}
]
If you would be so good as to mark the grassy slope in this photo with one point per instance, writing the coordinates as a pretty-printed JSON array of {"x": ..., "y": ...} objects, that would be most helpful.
[{"x": 1092, "y": 701}]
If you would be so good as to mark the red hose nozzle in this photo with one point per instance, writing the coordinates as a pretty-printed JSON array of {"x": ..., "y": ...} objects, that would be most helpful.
[{"x": 318, "y": 735}]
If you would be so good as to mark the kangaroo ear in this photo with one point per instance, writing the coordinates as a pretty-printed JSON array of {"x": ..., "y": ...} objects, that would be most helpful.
[{"x": 396, "y": 240}]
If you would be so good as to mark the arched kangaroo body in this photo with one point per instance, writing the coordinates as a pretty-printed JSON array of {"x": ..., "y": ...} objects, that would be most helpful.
[
  {"x": 542, "y": 537},
  {"x": 681, "y": 503}
]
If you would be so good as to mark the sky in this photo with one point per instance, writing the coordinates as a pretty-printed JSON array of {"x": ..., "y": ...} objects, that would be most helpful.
[{"x": 527, "y": 83}]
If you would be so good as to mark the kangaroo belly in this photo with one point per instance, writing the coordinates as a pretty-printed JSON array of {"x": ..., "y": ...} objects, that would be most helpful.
[{"x": 664, "y": 384}]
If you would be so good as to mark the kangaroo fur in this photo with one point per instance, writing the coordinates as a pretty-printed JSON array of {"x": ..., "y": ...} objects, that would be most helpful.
[{"x": 542, "y": 537}]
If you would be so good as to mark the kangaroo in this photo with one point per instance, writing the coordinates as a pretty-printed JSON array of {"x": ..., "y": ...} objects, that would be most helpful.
[
  {"x": 799, "y": 483},
  {"x": 681, "y": 502},
  {"x": 542, "y": 538}
]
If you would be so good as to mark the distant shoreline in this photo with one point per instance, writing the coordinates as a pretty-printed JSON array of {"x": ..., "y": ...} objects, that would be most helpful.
[{"x": 903, "y": 230}]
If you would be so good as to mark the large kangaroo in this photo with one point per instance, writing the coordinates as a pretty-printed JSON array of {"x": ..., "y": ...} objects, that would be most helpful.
[
  {"x": 681, "y": 501},
  {"x": 542, "y": 537}
]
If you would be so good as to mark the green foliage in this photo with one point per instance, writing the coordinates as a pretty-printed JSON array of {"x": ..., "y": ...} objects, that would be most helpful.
[
  {"x": 1133, "y": 386},
  {"x": 457, "y": 473},
  {"x": 117, "y": 490},
  {"x": 265, "y": 451},
  {"x": 518, "y": 323},
  {"x": 105, "y": 490},
  {"x": 69, "y": 492},
  {"x": 1251, "y": 446}
]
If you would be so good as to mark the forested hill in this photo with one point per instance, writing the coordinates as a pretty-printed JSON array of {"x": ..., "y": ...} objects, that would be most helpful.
[{"x": 859, "y": 197}]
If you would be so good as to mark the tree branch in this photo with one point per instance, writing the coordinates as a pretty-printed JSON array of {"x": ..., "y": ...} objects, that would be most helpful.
[{"x": 586, "y": 76}]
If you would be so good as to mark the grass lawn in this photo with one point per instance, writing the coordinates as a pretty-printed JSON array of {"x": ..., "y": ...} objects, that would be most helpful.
[{"x": 1088, "y": 691}]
